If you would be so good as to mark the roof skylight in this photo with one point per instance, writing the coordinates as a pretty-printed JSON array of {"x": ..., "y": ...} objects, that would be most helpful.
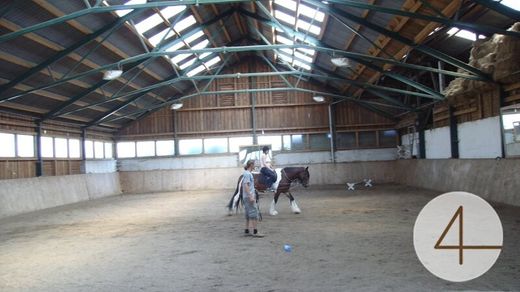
[
  {"x": 185, "y": 23},
  {"x": 156, "y": 19},
  {"x": 164, "y": 34},
  {"x": 162, "y": 18},
  {"x": 514, "y": 4},
  {"x": 213, "y": 61},
  {"x": 284, "y": 17},
  {"x": 124, "y": 12},
  {"x": 201, "y": 68},
  {"x": 304, "y": 19},
  {"x": 465, "y": 34},
  {"x": 196, "y": 71}
]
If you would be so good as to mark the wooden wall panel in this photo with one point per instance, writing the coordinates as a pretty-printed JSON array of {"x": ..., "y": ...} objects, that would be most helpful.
[
  {"x": 229, "y": 114},
  {"x": 468, "y": 107},
  {"x": 351, "y": 116},
  {"x": 17, "y": 169}
]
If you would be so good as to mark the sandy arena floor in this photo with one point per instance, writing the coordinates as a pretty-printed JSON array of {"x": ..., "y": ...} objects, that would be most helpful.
[{"x": 184, "y": 241}]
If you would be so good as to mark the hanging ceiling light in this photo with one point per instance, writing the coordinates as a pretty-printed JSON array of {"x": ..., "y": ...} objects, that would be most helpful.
[
  {"x": 340, "y": 62},
  {"x": 112, "y": 74},
  {"x": 318, "y": 98},
  {"x": 176, "y": 106}
]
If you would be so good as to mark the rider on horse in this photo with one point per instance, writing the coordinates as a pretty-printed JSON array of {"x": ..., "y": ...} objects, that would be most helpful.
[{"x": 267, "y": 169}]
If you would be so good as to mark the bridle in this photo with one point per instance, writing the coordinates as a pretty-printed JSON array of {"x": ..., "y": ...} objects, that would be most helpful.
[{"x": 284, "y": 174}]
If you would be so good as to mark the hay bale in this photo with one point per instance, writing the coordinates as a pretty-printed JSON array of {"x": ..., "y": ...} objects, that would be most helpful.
[
  {"x": 507, "y": 65},
  {"x": 456, "y": 87}
]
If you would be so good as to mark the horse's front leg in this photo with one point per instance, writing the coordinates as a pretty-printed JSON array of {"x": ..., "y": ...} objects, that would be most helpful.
[
  {"x": 294, "y": 207},
  {"x": 272, "y": 209}
]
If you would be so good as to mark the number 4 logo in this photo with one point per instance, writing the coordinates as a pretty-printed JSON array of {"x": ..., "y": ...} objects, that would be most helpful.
[{"x": 461, "y": 247}]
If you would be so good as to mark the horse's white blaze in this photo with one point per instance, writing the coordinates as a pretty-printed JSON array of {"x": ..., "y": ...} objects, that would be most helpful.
[
  {"x": 272, "y": 209},
  {"x": 295, "y": 208}
]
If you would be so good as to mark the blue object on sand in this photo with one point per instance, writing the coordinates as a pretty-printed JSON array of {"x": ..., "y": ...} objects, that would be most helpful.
[{"x": 287, "y": 248}]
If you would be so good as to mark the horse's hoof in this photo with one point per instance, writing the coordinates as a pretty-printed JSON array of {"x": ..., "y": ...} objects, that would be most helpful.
[
  {"x": 273, "y": 213},
  {"x": 295, "y": 212}
]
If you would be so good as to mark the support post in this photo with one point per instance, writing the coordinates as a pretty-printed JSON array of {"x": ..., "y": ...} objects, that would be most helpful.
[
  {"x": 332, "y": 133},
  {"x": 252, "y": 96},
  {"x": 83, "y": 150},
  {"x": 440, "y": 65},
  {"x": 422, "y": 146},
  {"x": 454, "y": 134},
  {"x": 39, "y": 160},
  {"x": 175, "y": 138},
  {"x": 501, "y": 100}
]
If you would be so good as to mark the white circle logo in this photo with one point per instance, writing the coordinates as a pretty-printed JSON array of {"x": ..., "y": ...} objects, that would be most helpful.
[{"x": 458, "y": 236}]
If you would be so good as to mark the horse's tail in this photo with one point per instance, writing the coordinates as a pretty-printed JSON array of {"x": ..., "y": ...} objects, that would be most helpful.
[{"x": 235, "y": 193}]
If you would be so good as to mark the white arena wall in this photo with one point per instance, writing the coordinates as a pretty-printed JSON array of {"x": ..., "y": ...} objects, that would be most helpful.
[
  {"x": 495, "y": 180},
  {"x": 477, "y": 139},
  {"x": 30, "y": 194},
  {"x": 222, "y": 172}
]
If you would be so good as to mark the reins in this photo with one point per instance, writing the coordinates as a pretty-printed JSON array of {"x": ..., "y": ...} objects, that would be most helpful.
[{"x": 284, "y": 174}]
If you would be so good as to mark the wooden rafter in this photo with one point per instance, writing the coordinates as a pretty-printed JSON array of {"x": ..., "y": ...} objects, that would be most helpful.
[
  {"x": 224, "y": 29},
  {"x": 396, "y": 24},
  {"x": 399, "y": 23},
  {"x": 206, "y": 31},
  {"x": 57, "y": 47},
  {"x": 357, "y": 27},
  {"x": 75, "y": 24}
]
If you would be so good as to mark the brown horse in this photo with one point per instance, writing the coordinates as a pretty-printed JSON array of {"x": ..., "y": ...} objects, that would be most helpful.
[{"x": 286, "y": 177}]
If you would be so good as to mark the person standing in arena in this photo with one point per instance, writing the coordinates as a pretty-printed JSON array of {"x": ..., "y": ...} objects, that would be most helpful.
[{"x": 249, "y": 199}]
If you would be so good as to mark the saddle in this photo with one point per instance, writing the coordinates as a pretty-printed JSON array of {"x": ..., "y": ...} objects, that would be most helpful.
[{"x": 267, "y": 177}]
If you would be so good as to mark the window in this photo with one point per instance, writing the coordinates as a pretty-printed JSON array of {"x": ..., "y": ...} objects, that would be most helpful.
[
  {"x": 145, "y": 148},
  {"x": 8, "y": 146},
  {"x": 388, "y": 138},
  {"x": 98, "y": 150},
  {"x": 286, "y": 142},
  {"x": 319, "y": 141},
  {"x": 346, "y": 140},
  {"x": 190, "y": 146},
  {"x": 25, "y": 145},
  {"x": 367, "y": 139},
  {"x": 165, "y": 148},
  {"x": 89, "y": 149},
  {"x": 47, "y": 147},
  {"x": 74, "y": 148},
  {"x": 236, "y": 142},
  {"x": 215, "y": 145},
  {"x": 108, "y": 150},
  {"x": 298, "y": 142},
  {"x": 274, "y": 141},
  {"x": 125, "y": 149},
  {"x": 61, "y": 148}
]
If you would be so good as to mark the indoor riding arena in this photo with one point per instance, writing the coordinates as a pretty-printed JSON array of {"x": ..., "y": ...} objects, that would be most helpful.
[{"x": 129, "y": 130}]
